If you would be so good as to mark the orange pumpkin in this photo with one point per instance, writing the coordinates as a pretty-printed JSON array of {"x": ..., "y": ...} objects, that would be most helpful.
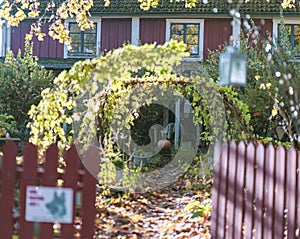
[{"x": 164, "y": 144}]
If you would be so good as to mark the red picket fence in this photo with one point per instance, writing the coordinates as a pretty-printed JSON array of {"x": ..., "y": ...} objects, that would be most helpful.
[
  {"x": 15, "y": 178},
  {"x": 256, "y": 192}
]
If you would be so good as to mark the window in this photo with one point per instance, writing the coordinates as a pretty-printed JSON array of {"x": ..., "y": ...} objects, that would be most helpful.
[
  {"x": 293, "y": 31},
  {"x": 190, "y": 31},
  {"x": 83, "y": 42}
]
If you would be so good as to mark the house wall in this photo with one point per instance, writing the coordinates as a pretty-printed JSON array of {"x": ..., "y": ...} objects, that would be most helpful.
[
  {"x": 265, "y": 27},
  {"x": 47, "y": 48},
  {"x": 117, "y": 31},
  {"x": 114, "y": 33},
  {"x": 216, "y": 32},
  {"x": 153, "y": 30}
]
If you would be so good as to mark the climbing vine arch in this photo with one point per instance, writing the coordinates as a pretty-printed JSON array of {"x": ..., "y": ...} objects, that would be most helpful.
[{"x": 94, "y": 93}]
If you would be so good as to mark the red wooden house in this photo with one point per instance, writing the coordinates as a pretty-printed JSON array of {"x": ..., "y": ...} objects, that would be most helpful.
[{"x": 204, "y": 27}]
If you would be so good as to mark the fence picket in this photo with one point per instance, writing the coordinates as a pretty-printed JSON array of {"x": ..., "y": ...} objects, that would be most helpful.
[
  {"x": 291, "y": 193},
  {"x": 28, "y": 177},
  {"x": 249, "y": 190},
  {"x": 89, "y": 189},
  {"x": 269, "y": 191},
  {"x": 231, "y": 190},
  {"x": 222, "y": 217},
  {"x": 216, "y": 196},
  {"x": 259, "y": 191},
  {"x": 279, "y": 193},
  {"x": 8, "y": 179},
  {"x": 70, "y": 179},
  {"x": 239, "y": 195},
  {"x": 298, "y": 198},
  {"x": 49, "y": 178}
]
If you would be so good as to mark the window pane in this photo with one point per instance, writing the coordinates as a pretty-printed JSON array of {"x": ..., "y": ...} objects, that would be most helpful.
[
  {"x": 296, "y": 33},
  {"x": 89, "y": 38},
  {"x": 289, "y": 31},
  {"x": 297, "y": 29},
  {"x": 75, "y": 48},
  {"x": 92, "y": 30},
  {"x": 192, "y": 39},
  {"x": 176, "y": 37},
  {"x": 177, "y": 29},
  {"x": 288, "y": 28},
  {"x": 90, "y": 48},
  {"x": 76, "y": 38},
  {"x": 296, "y": 45},
  {"x": 193, "y": 49},
  {"x": 74, "y": 27},
  {"x": 192, "y": 29},
  {"x": 83, "y": 42},
  {"x": 188, "y": 33}
]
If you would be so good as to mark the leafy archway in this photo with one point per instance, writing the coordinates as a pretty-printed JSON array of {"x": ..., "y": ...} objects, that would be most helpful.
[{"x": 101, "y": 99}]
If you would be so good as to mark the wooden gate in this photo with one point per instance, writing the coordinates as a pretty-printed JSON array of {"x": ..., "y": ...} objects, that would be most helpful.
[
  {"x": 15, "y": 178},
  {"x": 256, "y": 192}
]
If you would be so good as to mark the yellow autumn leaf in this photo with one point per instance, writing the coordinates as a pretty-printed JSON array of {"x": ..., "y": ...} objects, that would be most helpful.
[
  {"x": 69, "y": 120},
  {"x": 25, "y": 5},
  {"x": 20, "y": 13},
  {"x": 257, "y": 77},
  {"x": 274, "y": 111},
  {"x": 287, "y": 4},
  {"x": 28, "y": 37},
  {"x": 41, "y": 36},
  {"x": 188, "y": 184},
  {"x": 192, "y": 205},
  {"x": 262, "y": 86},
  {"x": 136, "y": 218},
  {"x": 33, "y": 14}
]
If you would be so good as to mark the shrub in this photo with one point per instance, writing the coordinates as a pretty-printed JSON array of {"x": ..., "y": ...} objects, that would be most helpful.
[
  {"x": 271, "y": 75},
  {"x": 8, "y": 127},
  {"x": 22, "y": 81}
]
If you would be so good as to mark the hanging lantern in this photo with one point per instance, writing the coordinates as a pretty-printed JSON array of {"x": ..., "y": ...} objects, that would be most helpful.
[{"x": 232, "y": 67}]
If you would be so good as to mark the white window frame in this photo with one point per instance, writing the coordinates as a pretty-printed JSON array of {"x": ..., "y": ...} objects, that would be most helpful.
[
  {"x": 98, "y": 40},
  {"x": 200, "y": 36},
  {"x": 276, "y": 23},
  {"x": 135, "y": 31},
  {"x": 5, "y": 41}
]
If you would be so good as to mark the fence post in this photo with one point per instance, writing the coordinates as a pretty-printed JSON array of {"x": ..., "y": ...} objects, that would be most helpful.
[{"x": 8, "y": 180}]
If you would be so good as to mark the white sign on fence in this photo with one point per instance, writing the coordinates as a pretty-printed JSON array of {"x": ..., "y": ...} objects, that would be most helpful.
[{"x": 49, "y": 204}]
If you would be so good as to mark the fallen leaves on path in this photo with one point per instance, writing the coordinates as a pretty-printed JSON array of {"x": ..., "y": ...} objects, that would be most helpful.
[{"x": 161, "y": 214}]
